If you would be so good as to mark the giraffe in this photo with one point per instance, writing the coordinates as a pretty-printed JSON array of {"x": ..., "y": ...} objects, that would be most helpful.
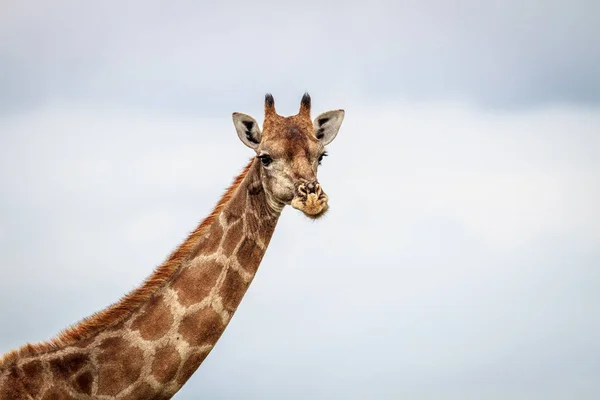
[{"x": 150, "y": 342}]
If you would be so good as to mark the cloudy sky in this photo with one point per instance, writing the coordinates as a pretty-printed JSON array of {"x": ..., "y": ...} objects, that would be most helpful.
[{"x": 461, "y": 255}]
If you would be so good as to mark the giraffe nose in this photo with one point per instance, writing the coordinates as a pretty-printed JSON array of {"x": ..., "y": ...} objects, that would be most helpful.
[{"x": 310, "y": 199}]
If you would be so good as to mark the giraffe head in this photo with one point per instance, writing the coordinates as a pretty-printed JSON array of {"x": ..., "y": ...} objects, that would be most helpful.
[{"x": 290, "y": 150}]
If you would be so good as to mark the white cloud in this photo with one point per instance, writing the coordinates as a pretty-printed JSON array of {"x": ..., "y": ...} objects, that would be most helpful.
[{"x": 196, "y": 56}]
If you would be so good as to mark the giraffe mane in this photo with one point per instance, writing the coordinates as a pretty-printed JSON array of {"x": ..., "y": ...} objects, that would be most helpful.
[{"x": 117, "y": 312}]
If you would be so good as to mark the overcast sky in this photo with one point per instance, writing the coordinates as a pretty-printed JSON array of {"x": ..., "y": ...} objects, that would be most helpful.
[{"x": 461, "y": 255}]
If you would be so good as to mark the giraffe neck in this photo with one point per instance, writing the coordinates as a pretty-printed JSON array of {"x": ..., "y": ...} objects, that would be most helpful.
[
  {"x": 185, "y": 319},
  {"x": 157, "y": 347}
]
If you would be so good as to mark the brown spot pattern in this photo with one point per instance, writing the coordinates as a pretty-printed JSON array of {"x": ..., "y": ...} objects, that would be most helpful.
[
  {"x": 232, "y": 290},
  {"x": 120, "y": 366},
  {"x": 194, "y": 283},
  {"x": 249, "y": 255},
  {"x": 165, "y": 364},
  {"x": 191, "y": 365},
  {"x": 154, "y": 322},
  {"x": 33, "y": 377},
  {"x": 211, "y": 244},
  {"x": 201, "y": 328},
  {"x": 83, "y": 383}
]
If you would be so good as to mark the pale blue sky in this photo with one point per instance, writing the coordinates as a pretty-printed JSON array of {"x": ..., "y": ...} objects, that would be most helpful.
[{"x": 460, "y": 257}]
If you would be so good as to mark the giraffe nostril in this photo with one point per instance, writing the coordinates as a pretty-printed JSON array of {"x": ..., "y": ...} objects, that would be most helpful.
[
  {"x": 302, "y": 190},
  {"x": 312, "y": 187}
]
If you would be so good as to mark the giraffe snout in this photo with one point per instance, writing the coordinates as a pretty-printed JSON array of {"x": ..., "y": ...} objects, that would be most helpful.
[{"x": 310, "y": 198}]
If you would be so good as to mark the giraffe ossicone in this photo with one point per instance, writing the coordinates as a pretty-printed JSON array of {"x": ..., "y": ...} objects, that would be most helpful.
[{"x": 149, "y": 343}]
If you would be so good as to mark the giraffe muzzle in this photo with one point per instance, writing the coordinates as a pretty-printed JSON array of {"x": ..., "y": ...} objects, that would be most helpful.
[{"x": 310, "y": 198}]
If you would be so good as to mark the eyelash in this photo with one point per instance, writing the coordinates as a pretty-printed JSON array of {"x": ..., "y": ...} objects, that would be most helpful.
[
  {"x": 322, "y": 156},
  {"x": 265, "y": 159}
]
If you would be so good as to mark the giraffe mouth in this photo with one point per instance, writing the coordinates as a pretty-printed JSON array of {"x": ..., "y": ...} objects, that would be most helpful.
[{"x": 311, "y": 200}]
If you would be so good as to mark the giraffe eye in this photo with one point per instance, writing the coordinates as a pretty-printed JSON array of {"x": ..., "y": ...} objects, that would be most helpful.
[
  {"x": 321, "y": 157},
  {"x": 265, "y": 159}
]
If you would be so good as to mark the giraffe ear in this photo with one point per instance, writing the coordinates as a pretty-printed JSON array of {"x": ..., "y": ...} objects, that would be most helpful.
[
  {"x": 327, "y": 125},
  {"x": 247, "y": 129}
]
